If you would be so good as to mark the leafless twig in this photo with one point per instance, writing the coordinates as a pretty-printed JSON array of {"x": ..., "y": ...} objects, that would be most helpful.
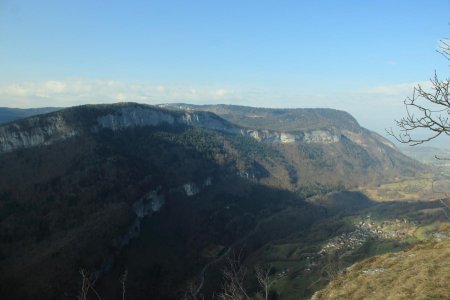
[
  {"x": 87, "y": 283},
  {"x": 264, "y": 279},
  {"x": 234, "y": 276},
  {"x": 123, "y": 280},
  {"x": 427, "y": 109}
]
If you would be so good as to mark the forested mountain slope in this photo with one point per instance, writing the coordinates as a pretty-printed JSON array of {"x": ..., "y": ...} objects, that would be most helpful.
[{"x": 161, "y": 192}]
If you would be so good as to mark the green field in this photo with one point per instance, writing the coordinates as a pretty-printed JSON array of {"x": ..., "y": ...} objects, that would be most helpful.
[
  {"x": 426, "y": 187},
  {"x": 306, "y": 275}
]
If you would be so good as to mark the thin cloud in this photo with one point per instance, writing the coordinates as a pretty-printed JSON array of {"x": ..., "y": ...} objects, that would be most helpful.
[
  {"x": 220, "y": 93},
  {"x": 71, "y": 92},
  {"x": 391, "y": 62},
  {"x": 395, "y": 89},
  {"x": 374, "y": 107}
]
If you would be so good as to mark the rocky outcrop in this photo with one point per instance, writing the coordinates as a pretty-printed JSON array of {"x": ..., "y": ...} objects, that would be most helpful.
[
  {"x": 192, "y": 189},
  {"x": 34, "y": 131},
  {"x": 138, "y": 116},
  {"x": 135, "y": 117},
  {"x": 144, "y": 207},
  {"x": 321, "y": 136},
  {"x": 44, "y": 130},
  {"x": 312, "y": 136}
]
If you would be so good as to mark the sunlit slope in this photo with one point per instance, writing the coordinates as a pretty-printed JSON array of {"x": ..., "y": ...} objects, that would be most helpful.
[{"x": 422, "y": 272}]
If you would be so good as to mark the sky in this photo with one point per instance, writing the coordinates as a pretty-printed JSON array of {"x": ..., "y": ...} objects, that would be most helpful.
[{"x": 364, "y": 57}]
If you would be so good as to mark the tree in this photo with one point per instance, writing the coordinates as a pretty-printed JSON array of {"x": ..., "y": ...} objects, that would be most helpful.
[
  {"x": 234, "y": 279},
  {"x": 264, "y": 279},
  {"x": 427, "y": 109},
  {"x": 236, "y": 275},
  {"x": 88, "y": 281}
]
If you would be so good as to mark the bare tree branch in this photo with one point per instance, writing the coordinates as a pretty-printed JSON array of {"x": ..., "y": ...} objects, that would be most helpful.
[
  {"x": 123, "y": 280},
  {"x": 427, "y": 109},
  {"x": 190, "y": 293},
  {"x": 87, "y": 283},
  {"x": 264, "y": 279},
  {"x": 234, "y": 276}
]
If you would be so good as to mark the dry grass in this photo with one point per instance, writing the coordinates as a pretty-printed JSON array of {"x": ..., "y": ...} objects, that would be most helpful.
[
  {"x": 422, "y": 188},
  {"x": 422, "y": 272}
]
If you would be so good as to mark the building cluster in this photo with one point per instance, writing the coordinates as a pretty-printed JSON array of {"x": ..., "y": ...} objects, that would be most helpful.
[
  {"x": 366, "y": 229},
  {"x": 388, "y": 229},
  {"x": 346, "y": 241}
]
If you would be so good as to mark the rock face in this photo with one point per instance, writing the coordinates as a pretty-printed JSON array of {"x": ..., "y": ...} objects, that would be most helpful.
[
  {"x": 277, "y": 119},
  {"x": 321, "y": 136},
  {"x": 150, "y": 203},
  {"x": 192, "y": 189},
  {"x": 44, "y": 130},
  {"x": 138, "y": 116},
  {"x": 135, "y": 117},
  {"x": 290, "y": 126},
  {"x": 327, "y": 138},
  {"x": 34, "y": 131},
  {"x": 146, "y": 206},
  {"x": 309, "y": 137}
]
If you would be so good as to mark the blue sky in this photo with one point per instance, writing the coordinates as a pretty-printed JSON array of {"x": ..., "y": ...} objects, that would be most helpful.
[{"x": 360, "y": 56}]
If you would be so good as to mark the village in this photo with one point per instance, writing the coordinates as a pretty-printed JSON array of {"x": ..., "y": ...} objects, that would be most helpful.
[{"x": 367, "y": 228}]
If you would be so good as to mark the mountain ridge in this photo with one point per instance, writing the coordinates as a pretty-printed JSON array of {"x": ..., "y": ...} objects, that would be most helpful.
[
  {"x": 307, "y": 117},
  {"x": 63, "y": 124},
  {"x": 134, "y": 114},
  {"x": 9, "y": 114},
  {"x": 72, "y": 183},
  {"x": 361, "y": 146}
]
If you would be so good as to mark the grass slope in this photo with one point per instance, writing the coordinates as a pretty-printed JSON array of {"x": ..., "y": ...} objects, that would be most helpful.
[{"x": 422, "y": 272}]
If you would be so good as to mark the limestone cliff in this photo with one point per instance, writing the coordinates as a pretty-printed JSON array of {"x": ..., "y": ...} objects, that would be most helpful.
[
  {"x": 34, "y": 131},
  {"x": 46, "y": 129}
]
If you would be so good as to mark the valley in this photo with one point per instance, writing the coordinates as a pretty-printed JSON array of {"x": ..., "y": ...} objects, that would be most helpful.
[
  {"x": 224, "y": 150},
  {"x": 169, "y": 193},
  {"x": 309, "y": 261}
]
